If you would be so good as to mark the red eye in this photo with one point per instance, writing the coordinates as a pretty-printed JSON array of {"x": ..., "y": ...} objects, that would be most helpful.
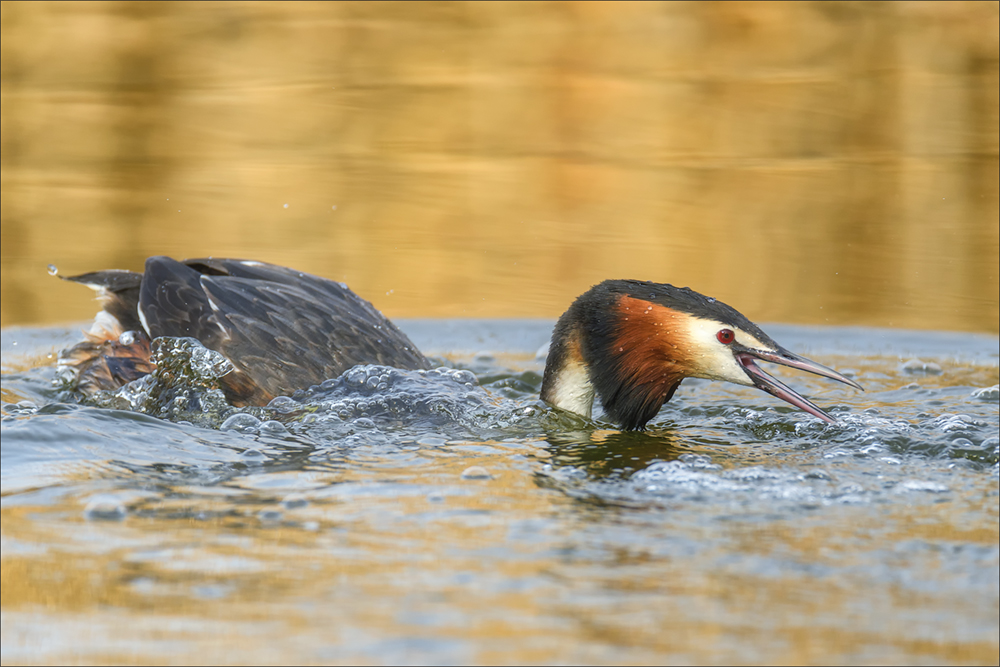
[{"x": 726, "y": 336}]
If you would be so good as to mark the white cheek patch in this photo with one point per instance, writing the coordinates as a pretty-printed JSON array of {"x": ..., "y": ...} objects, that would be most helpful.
[
  {"x": 714, "y": 360},
  {"x": 746, "y": 340}
]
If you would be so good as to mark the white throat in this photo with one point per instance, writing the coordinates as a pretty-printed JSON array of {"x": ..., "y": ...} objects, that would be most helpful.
[{"x": 572, "y": 389}]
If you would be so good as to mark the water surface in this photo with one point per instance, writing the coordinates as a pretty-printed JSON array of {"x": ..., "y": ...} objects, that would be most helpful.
[{"x": 450, "y": 517}]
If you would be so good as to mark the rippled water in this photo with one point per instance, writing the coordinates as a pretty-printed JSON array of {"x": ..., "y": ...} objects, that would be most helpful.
[{"x": 449, "y": 516}]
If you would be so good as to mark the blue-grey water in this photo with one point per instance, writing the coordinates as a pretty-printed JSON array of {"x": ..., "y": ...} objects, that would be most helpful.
[{"x": 448, "y": 516}]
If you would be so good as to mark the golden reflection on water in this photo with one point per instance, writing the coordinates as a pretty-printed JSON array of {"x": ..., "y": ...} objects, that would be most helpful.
[
  {"x": 810, "y": 162},
  {"x": 376, "y": 569},
  {"x": 236, "y": 589}
]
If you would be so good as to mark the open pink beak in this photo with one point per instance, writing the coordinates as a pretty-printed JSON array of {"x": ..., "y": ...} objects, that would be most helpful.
[{"x": 746, "y": 356}]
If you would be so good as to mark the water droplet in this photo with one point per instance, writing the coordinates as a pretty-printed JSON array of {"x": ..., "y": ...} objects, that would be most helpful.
[
  {"x": 476, "y": 472},
  {"x": 283, "y": 404},
  {"x": 253, "y": 454},
  {"x": 273, "y": 428},
  {"x": 918, "y": 366},
  {"x": 105, "y": 508},
  {"x": 242, "y": 423},
  {"x": 127, "y": 338},
  {"x": 53, "y": 269}
]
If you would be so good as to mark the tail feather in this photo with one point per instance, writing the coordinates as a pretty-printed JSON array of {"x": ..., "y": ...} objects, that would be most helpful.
[
  {"x": 103, "y": 360},
  {"x": 118, "y": 292}
]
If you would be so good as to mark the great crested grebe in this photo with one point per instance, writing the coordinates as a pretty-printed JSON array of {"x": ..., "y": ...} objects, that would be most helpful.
[{"x": 628, "y": 342}]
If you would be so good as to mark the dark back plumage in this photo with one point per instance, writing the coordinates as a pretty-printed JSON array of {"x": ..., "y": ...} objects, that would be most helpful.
[{"x": 282, "y": 329}]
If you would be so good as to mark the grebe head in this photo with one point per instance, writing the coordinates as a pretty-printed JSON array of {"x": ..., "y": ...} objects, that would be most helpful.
[{"x": 632, "y": 343}]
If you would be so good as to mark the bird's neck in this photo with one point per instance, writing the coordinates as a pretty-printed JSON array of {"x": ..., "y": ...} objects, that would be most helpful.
[
  {"x": 621, "y": 349},
  {"x": 566, "y": 383}
]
